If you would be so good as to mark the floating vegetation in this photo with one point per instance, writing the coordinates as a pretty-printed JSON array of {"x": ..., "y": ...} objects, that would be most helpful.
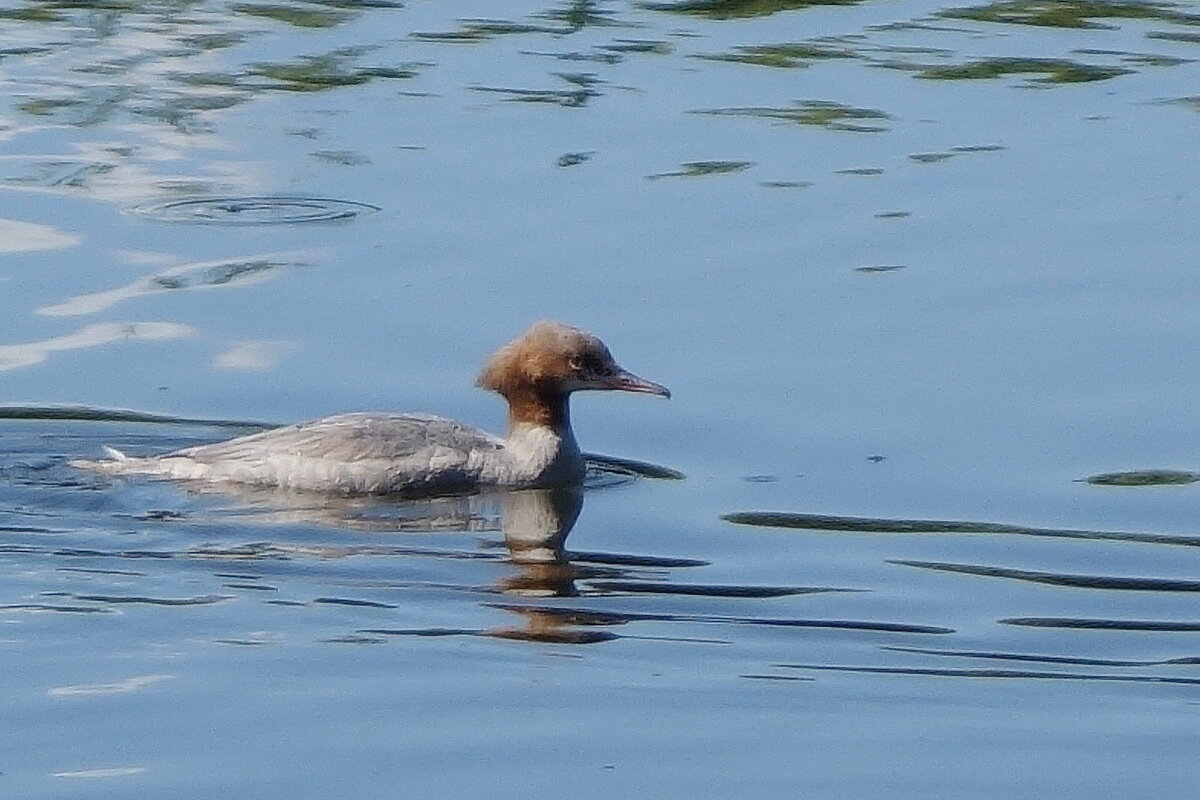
[
  {"x": 344, "y": 158},
  {"x": 573, "y": 159},
  {"x": 299, "y": 15},
  {"x": 893, "y": 215},
  {"x": 56, "y": 173},
  {"x": 822, "y": 113},
  {"x": 31, "y": 14},
  {"x": 787, "y": 56},
  {"x": 217, "y": 276},
  {"x": 652, "y": 46},
  {"x": 254, "y": 210},
  {"x": 740, "y": 9},
  {"x": 873, "y": 269},
  {"x": 938, "y": 156},
  {"x": 313, "y": 13},
  {"x": 478, "y": 30},
  {"x": 700, "y": 169},
  {"x": 46, "y": 106},
  {"x": 1175, "y": 36},
  {"x": 1149, "y": 477},
  {"x": 460, "y": 36},
  {"x": 786, "y": 184},
  {"x": 212, "y": 41},
  {"x": 1145, "y": 59},
  {"x": 1191, "y": 102},
  {"x": 568, "y": 98},
  {"x": 866, "y": 172},
  {"x": 930, "y": 158},
  {"x": 318, "y": 73},
  {"x": 580, "y": 14},
  {"x": 359, "y": 4},
  {"x": 1051, "y": 70},
  {"x": 579, "y": 78},
  {"x": 598, "y": 57},
  {"x": 1069, "y": 13}
]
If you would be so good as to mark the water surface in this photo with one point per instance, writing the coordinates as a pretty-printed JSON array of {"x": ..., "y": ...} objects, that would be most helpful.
[{"x": 920, "y": 276}]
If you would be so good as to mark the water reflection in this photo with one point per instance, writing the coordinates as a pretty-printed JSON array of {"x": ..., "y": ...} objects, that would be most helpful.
[
  {"x": 13, "y": 356},
  {"x": 197, "y": 275},
  {"x": 26, "y": 237}
]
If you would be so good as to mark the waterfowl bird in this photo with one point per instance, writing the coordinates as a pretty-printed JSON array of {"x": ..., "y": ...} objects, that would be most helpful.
[{"x": 422, "y": 454}]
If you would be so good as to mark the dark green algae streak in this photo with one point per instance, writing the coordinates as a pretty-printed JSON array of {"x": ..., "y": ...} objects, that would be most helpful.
[
  {"x": 741, "y": 9},
  {"x": 1061, "y": 14}
]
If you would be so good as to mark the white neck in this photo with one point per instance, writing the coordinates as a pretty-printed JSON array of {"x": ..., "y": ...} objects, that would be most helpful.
[{"x": 544, "y": 456}]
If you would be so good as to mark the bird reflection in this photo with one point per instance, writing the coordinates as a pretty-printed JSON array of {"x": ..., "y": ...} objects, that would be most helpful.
[{"x": 534, "y": 524}]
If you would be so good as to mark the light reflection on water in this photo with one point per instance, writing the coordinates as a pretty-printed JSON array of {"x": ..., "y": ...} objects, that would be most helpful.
[{"x": 944, "y": 382}]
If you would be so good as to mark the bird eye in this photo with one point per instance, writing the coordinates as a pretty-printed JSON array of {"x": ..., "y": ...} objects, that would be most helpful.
[{"x": 588, "y": 364}]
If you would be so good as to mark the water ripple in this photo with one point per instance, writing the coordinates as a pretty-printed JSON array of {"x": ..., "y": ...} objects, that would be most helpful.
[
  {"x": 1060, "y": 579},
  {"x": 262, "y": 210}
]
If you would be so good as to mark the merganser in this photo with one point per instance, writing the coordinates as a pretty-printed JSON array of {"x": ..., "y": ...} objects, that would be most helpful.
[{"x": 423, "y": 454}]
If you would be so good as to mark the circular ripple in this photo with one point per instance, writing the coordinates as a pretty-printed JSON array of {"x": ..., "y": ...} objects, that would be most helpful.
[{"x": 254, "y": 210}]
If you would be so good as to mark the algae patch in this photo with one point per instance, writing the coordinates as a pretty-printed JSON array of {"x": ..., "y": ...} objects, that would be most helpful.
[
  {"x": 821, "y": 113},
  {"x": 1148, "y": 477},
  {"x": 700, "y": 169},
  {"x": 1065, "y": 14},
  {"x": 740, "y": 9},
  {"x": 1047, "y": 70},
  {"x": 786, "y": 56},
  {"x": 293, "y": 14},
  {"x": 318, "y": 73}
]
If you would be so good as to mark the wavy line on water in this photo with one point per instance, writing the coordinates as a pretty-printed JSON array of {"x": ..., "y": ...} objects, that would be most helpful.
[
  {"x": 1060, "y": 579},
  {"x": 576, "y": 616},
  {"x": 1154, "y": 626},
  {"x": 1043, "y": 659},
  {"x": 626, "y": 560},
  {"x": 199, "y": 600},
  {"x": 65, "y": 609},
  {"x": 839, "y": 524},
  {"x": 708, "y": 590},
  {"x": 92, "y": 414},
  {"x": 994, "y": 673}
]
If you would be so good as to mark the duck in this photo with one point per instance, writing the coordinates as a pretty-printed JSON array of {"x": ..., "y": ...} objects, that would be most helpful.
[{"x": 415, "y": 454}]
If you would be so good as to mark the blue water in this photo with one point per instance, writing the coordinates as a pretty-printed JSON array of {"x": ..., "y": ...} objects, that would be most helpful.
[{"x": 962, "y": 336}]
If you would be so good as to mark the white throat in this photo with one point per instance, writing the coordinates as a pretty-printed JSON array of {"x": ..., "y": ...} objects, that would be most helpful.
[{"x": 543, "y": 456}]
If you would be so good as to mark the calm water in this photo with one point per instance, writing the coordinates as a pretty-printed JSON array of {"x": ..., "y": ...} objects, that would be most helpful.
[{"x": 913, "y": 271}]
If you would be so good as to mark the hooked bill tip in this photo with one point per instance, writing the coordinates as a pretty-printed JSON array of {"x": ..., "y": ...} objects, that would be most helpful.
[{"x": 628, "y": 382}]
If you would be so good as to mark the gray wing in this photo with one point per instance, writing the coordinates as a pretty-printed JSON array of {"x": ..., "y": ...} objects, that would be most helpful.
[{"x": 351, "y": 438}]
